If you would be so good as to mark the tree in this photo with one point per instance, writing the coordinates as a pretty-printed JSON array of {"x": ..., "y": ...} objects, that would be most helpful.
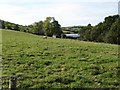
[
  {"x": 40, "y": 28},
  {"x": 113, "y": 35},
  {"x": 1, "y": 24},
  {"x": 96, "y": 33},
  {"x": 30, "y": 29},
  {"x": 87, "y": 33},
  {"x": 47, "y": 26},
  {"x": 37, "y": 28},
  {"x": 51, "y": 27},
  {"x": 56, "y": 28}
]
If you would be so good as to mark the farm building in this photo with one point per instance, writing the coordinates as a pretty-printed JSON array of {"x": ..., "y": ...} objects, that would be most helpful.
[{"x": 72, "y": 36}]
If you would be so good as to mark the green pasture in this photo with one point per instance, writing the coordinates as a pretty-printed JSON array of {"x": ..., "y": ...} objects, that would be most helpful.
[{"x": 58, "y": 63}]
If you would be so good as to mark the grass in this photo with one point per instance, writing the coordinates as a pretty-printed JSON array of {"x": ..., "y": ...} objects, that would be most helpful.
[{"x": 58, "y": 63}]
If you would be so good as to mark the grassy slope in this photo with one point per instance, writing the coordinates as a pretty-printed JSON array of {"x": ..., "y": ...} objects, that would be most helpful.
[{"x": 58, "y": 62}]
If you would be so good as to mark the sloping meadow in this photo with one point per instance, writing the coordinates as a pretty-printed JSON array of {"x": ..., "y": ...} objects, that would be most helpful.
[{"x": 58, "y": 63}]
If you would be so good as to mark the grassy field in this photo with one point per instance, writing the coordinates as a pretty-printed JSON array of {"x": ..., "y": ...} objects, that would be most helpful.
[{"x": 58, "y": 63}]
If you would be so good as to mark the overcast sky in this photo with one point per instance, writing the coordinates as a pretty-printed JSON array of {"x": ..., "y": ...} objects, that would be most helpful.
[{"x": 67, "y": 12}]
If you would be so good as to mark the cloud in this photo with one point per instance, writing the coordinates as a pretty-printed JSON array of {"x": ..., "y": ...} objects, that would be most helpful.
[
  {"x": 67, "y": 13},
  {"x": 53, "y": 1},
  {"x": 26, "y": 15},
  {"x": 9, "y": 12}
]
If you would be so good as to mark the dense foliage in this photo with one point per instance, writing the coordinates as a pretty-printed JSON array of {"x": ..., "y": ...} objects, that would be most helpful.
[{"x": 106, "y": 31}]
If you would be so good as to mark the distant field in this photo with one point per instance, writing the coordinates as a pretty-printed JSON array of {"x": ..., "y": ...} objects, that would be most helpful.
[{"x": 58, "y": 63}]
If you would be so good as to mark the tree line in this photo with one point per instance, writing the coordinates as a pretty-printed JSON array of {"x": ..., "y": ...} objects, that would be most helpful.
[
  {"x": 107, "y": 31},
  {"x": 48, "y": 27}
]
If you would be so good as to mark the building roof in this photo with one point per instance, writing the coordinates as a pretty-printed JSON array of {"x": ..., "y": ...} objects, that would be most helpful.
[{"x": 72, "y": 35}]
